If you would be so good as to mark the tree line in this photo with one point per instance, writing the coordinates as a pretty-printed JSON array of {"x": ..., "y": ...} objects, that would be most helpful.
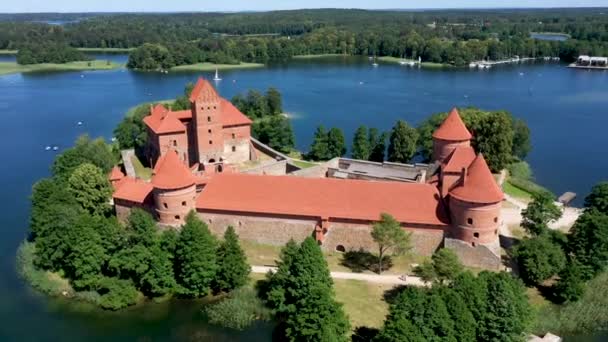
[
  {"x": 568, "y": 261},
  {"x": 450, "y": 37},
  {"x": 49, "y": 52},
  {"x": 502, "y": 139},
  {"x": 77, "y": 235}
]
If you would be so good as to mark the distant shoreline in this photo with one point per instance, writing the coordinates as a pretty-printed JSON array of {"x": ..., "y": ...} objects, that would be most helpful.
[
  {"x": 213, "y": 67},
  {"x": 13, "y": 68}
]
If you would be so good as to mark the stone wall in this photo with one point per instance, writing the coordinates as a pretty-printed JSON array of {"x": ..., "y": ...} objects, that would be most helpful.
[
  {"x": 261, "y": 229},
  {"x": 355, "y": 236},
  {"x": 270, "y": 167},
  {"x": 236, "y": 151},
  {"x": 480, "y": 256}
]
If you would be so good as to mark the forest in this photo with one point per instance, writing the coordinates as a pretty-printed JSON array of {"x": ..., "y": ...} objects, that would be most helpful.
[{"x": 449, "y": 37}]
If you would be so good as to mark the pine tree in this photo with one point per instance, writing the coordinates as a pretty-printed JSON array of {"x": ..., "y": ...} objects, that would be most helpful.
[
  {"x": 274, "y": 293},
  {"x": 361, "y": 147},
  {"x": 402, "y": 144},
  {"x": 195, "y": 257},
  {"x": 379, "y": 148},
  {"x": 233, "y": 269},
  {"x": 319, "y": 150},
  {"x": 275, "y": 103},
  {"x": 336, "y": 144}
]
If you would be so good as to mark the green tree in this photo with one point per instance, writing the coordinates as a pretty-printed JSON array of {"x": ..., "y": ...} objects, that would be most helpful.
[
  {"x": 87, "y": 256},
  {"x": 379, "y": 148},
  {"x": 598, "y": 198},
  {"x": 538, "y": 214},
  {"x": 389, "y": 236},
  {"x": 159, "y": 278},
  {"x": 275, "y": 103},
  {"x": 521, "y": 139},
  {"x": 402, "y": 143},
  {"x": 274, "y": 293},
  {"x": 131, "y": 132},
  {"x": 319, "y": 149},
  {"x": 233, "y": 269},
  {"x": 361, "y": 147},
  {"x": 588, "y": 242},
  {"x": 96, "y": 152},
  {"x": 276, "y": 132},
  {"x": 91, "y": 189},
  {"x": 195, "y": 257},
  {"x": 571, "y": 286},
  {"x": 336, "y": 144},
  {"x": 493, "y": 137},
  {"x": 465, "y": 326},
  {"x": 538, "y": 259},
  {"x": 443, "y": 267},
  {"x": 116, "y": 293}
]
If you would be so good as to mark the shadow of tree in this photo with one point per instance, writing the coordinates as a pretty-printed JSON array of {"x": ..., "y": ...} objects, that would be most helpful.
[
  {"x": 361, "y": 260},
  {"x": 364, "y": 334},
  {"x": 391, "y": 294}
]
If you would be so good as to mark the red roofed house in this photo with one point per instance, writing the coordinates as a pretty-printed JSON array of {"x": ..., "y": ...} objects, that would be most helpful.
[
  {"x": 460, "y": 207},
  {"x": 211, "y": 133}
]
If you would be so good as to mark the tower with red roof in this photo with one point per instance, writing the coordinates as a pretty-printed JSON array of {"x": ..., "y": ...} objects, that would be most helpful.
[
  {"x": 174, "y": 189},
  {"x": 207, "y": 123},
  {"x": 475, "y": 203},
  {"x": 451, "y": 134}
]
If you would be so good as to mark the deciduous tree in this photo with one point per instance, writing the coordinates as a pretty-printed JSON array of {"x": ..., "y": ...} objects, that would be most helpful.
[
  {"x": 538, "y": 259},
  {"x": 402, "y": 143},
  {"x": 538, "y": 214},
  {"x": 389, "y": 236}
]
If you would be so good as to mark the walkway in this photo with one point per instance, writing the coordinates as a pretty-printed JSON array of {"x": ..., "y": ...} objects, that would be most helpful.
[
  {"x": 371, "y": 278},
  {"x": 126, "y": 160}
]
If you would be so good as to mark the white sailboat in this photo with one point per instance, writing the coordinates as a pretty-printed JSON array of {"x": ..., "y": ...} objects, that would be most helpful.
[{"x": 217, "y": 76}]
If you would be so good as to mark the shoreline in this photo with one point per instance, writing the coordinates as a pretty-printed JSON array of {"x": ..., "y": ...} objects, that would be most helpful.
[
  {"x": 397, "y": 60},
  {"x": 212, "y": 67},
  {"x": 7, "y": 68}
]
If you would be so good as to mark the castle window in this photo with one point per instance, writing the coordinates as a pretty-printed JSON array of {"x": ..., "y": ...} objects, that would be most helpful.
[
  {"x": 340, "y": 248},
  {"x": 165, "y": 205},
  {"x": 177, "y": 217},
  {"x": 470, "y": 220},
  {"x": 209, "y": 108},
  {"x": 473, "y": 244},
  {"x": 233, "y": 148},
  {"x": 496, "y": 220},
  {"x": 209, "y": 131},
  {"x": 210, "y": 142},
  {"x": 233, "y": 136},
  {"x": 214, "y": 107},
  {"x": 208, "y": 119},
  {"x": 476, "y": 235},
  {"x": 184, "y": 203},
  {"x": 174, "y": 142},
  {"x": 496, "y": 232}
]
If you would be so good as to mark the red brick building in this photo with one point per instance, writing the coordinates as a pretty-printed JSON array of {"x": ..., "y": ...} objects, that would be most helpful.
[{"x": 459, "y": 206}]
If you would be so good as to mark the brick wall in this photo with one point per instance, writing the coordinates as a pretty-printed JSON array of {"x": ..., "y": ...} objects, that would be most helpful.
[
  {"x": 480, "y": 256},
  {"x": 274, "y": 168}
]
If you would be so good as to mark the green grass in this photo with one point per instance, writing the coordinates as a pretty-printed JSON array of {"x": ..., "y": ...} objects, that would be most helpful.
[
  {"x": 140, "y": 170},
  {"x": 303, "y": 164},
  {"x": 516, "y": 192},
  {"x": 390, "y": 59},
  {"x": 44, "y": 281},
  {"x": 363, "y": 302},
  {"x": 587, "y": 315},
  {"x": 318, "y": 56},
  {"x": 109, "y": 50},
  {"x": 212, "y": 67},
  {"x": 13, "y": 67},
  {"x": 8, "y": 52},
  {"x": 131, "y": 111}
]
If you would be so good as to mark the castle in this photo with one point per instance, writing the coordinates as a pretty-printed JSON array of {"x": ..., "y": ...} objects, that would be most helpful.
[{"x": 195, "y": 153}]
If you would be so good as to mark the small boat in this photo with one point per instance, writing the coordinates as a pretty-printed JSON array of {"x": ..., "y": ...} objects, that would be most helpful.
[
  {"x": 48, "y": 148},
  {"x": 403, "y": 62},
  {"x": 55, "y": 148},
  {"x": 81, "y": 76},
  {"x": 374, "y": 64},
  {"x": 217, "y": 76},
  {"x": 521, "y": 74},
  {"x": 360, "y": 82},
  {"x": 472, "y": 65},
  {"x": 79, "y": 123}
]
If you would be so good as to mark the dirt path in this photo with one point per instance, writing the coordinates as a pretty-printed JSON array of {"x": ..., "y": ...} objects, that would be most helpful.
[{"x": 371, "y": 278}]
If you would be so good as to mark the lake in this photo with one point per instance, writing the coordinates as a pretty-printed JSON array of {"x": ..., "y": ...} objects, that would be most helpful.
[
  {"x": 557, "y": 37},
  {"x": 566, "y": 110}
]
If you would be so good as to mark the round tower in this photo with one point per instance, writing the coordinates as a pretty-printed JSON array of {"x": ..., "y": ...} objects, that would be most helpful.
[
  {"x": 174, "y": 189},
  {"x": 451, "y": 134},
  {"x": 475, "y": 205}
]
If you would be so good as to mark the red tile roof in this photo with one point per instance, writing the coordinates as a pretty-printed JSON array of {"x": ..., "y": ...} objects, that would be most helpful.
[
  {"x": 203, "y": 91},
  {"x": 232, "y": 116},
  {"x": 116, "y": 174},
  {"x": 479, "y": 184},
  {"x": 461, "y": 157},
  {"x": 323, "y": 197},
  {"x": 452, "y": 128},
  {"x": 131, "y": 189},
  {"x": 162, "y": 121},
  {"x": 182, "y": 114},
  {"x": 171, "y": 173}
]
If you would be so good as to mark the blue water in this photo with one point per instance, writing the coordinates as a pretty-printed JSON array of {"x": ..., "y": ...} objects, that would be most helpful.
[
  {"x": 550, "y": 37},
  {"x": 567, "y": 111}
]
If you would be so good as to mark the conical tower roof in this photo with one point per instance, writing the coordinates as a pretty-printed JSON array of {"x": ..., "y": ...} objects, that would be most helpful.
[
  {"x": 478, "y": 184},
  {"x": 204, "y": 91},
  {"x": 171, "y": 173},
  {"x": 452, "y": 128}
]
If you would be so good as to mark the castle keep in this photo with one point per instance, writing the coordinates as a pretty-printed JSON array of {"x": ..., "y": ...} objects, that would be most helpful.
[{"x": 196, "y": 153}]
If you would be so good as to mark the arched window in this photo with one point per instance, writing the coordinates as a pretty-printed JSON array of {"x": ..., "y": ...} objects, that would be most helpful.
[
  {"x": 211, "y": 160},
  {"x": 340, "y": 248},
  {"x": 476, "y": 235},
  {"x": 177, "y": 217},
  {"x": 470, "y": 220},
  {"x": 184, "y": 203}
]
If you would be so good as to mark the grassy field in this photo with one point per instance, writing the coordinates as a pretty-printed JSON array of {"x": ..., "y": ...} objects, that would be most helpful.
[
  {"x": 106, "y": 50},
  {"x": 12, "y": 67},
  {"x": 516, "y": 192},
  {"x": 141, "y": 171},
  {"x": 390, "y": 59},
  {"x": 8, "y": 52},
  {"x": 303, "y": 164},
  {"x": 212, "y": 67},
  {"x": 318, "y": 56},
  {"x": 363, "y": 302}
]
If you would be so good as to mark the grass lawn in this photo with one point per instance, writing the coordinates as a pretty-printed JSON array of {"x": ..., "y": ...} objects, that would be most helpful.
[
  {"x": 303, "y": 164},
  {"x": 390, "y": 59},
  {"x": 363, "y": 302},
  {"x": 13, "y": 67},
  {"x": 212, "y": 67},
  {"x": 265, "y": 255},
  {"x": 109, "y": 50},
  {"x": 141, "y": 171},
  {"x": 318, "y": 56},
  {"x": 516, "y": 192},
  {"x": 8, "y": 52}
]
